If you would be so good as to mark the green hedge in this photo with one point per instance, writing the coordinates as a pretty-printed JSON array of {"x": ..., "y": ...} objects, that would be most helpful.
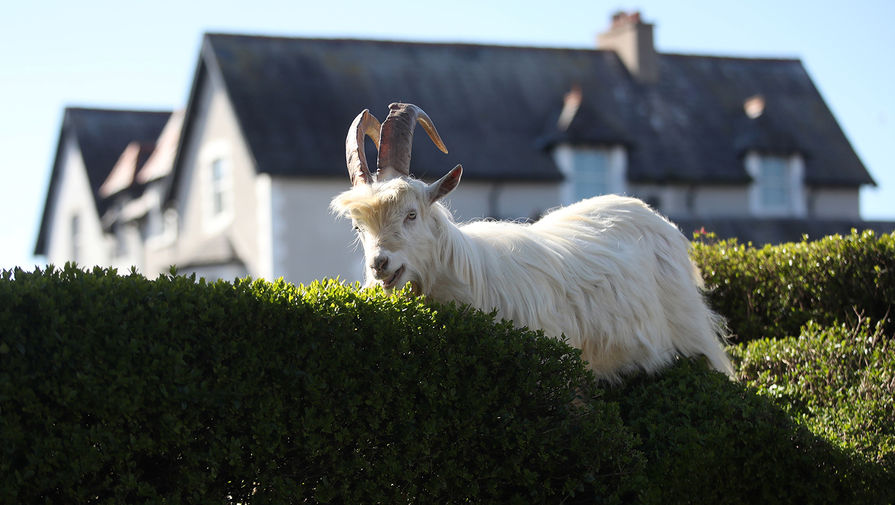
[
  {"x": 773, "y": 291},
  {"x": 124, "y": 390},
  {"x": 117, "y": 389},
  {"x": 838, "y": 380},
  {"x": 710, "y": 440}
]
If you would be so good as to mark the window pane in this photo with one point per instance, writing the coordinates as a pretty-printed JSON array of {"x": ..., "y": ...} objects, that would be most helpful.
[
  {"x": 217, "y": 170},
  {"x": 774, "y": 184},
  {"x": 76, "y": 238},
  {"x": 218, "y": 202},
  {"x": 218, "y": 186},
  {"x": 591, "y": 173},
  {"x": 775, "y": 197}
]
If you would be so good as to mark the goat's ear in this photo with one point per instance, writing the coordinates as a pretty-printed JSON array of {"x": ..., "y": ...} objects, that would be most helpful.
[{"x": 445, "y": 185}]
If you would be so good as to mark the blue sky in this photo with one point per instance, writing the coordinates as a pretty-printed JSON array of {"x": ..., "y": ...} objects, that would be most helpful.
[{"x": 142, "y": 55}]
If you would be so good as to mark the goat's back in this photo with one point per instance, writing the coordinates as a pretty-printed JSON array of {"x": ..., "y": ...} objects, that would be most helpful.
[{"x": 610, "y": 274}]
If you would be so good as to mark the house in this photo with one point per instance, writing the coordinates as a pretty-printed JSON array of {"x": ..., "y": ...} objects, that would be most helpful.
[
  {"x": 90, "y": 143},
  {"x": 240, "y": 181}
]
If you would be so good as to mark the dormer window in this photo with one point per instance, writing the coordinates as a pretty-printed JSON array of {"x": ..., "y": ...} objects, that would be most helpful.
[
  {"x": 591, "y": 174},
  {"x": 777, "y": 184},
  {"x": 591, "y": 171},
  {"x": 774, "y": 183}
]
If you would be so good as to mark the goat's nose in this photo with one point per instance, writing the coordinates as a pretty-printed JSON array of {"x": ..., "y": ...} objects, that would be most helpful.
[{"x": 379, "y": 263}]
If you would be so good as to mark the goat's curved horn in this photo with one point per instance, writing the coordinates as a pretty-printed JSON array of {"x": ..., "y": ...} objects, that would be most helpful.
[
  {"x": 397, "y": 139},
  {"x": 365, "y": 124}
]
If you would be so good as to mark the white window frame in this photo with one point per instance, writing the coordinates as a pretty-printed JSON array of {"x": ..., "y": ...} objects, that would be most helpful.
[
  {"x": 216, "y": 154},
  {"x": 575, "y": 163},
  {"x": 791, "y": 184}
]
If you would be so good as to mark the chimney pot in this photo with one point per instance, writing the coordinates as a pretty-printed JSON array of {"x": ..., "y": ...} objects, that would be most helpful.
[
  {"x": 754, "y": 106},
  {"x": 622, "y": 18}
]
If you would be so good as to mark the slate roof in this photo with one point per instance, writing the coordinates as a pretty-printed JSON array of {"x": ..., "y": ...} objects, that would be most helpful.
[
  {"x": 161, "y": 160},
  {"x": 496, "y": 108},
  {"x": 124, "y": 173},
  {"x": 101, "y": 136}
]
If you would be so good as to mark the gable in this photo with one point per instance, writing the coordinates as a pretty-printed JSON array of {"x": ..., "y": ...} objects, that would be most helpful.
[
  {"x": 101, "y": 136},
  {"x": 213, "y": 179},
  {"x": 71, "y": 201}
]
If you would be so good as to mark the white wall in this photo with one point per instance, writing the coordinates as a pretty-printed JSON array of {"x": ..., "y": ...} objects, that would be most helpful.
[
  {"x": 308, "y": 242},
  {"x": 736, "y": 201},
  {"x": 504, "y": 200},
  {"x": 160, "y": 231},
  {"x": 73, "y": 196},
  {"x": 127, "y": 252},
  {"x": 686, "y": 201},
  {"x": 842, "y": 203},
  {"x": 215, "y": 133}
]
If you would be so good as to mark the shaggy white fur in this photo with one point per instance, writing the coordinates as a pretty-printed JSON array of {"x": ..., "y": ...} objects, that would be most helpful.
[{"x": 608, "y": 273}]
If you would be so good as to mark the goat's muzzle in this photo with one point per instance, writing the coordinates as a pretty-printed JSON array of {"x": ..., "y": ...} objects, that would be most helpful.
[{"x": 378, "y": 265}]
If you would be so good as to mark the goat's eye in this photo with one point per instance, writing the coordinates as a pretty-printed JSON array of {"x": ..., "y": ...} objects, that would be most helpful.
[{"x": 411, "y": 215}]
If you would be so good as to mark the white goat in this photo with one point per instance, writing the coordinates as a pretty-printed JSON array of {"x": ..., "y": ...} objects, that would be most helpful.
[{"x": 610, "y": 274}]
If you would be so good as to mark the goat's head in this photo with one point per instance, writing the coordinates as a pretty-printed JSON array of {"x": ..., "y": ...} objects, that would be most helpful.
[{"x": 395, "y": 215}]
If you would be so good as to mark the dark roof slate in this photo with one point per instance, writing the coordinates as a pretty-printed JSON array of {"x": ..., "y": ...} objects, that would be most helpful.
[
  {"x": 295, "y": 98},
  {"x": 101, "y": 136},
  {"x": 704, "y": 96},
  {"x": 496, "y": 107}
]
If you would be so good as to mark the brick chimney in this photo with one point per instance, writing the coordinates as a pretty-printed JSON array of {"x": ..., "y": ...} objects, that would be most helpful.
[{"x": 632, "y": 40}]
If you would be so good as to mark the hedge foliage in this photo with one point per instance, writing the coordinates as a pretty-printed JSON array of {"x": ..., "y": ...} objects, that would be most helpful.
[
  {"x": 707, "y": 439},
  {"x": 774, "y": 290},
  {"x": 837, "y": 380},
  {"x": 117, "y": 389}
]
